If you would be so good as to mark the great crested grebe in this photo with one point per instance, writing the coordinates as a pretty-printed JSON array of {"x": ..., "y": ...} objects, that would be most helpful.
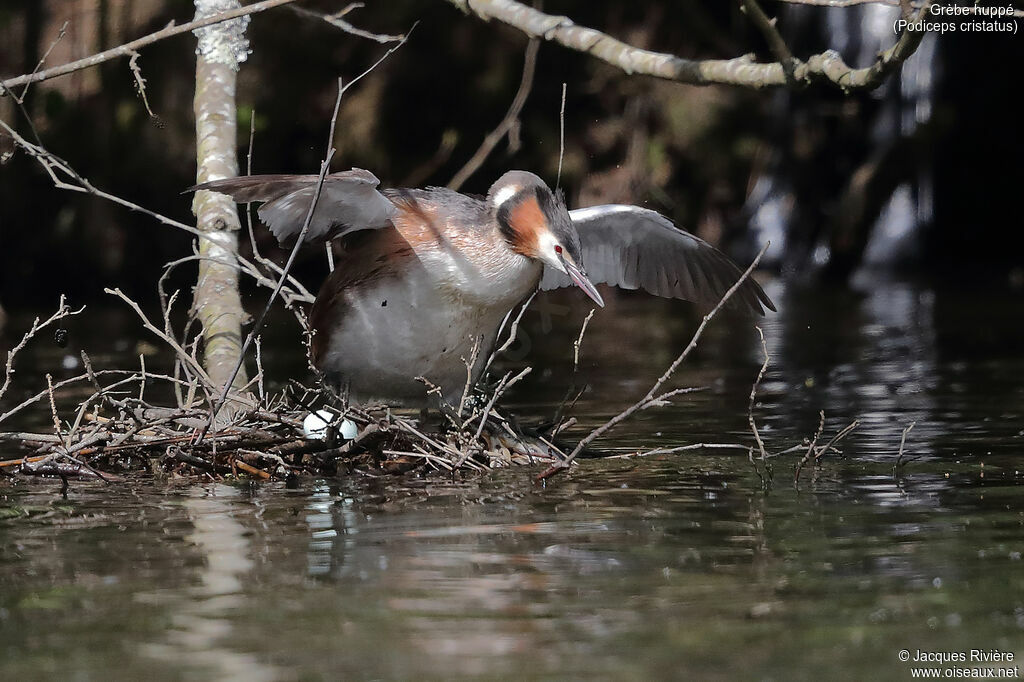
[{"x": 425, "y": 274}]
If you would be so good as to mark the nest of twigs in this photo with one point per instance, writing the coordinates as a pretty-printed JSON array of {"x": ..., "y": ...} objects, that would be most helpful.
[
  {"x": 247, "y": 433},
  {"x": 126, "y": 434},
  {"x": 117, "y": 429}
]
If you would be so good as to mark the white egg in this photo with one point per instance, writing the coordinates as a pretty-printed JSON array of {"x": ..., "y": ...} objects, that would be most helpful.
[
  {"x": 315, "y": 426},
  {"x": 348, "y": 429}
]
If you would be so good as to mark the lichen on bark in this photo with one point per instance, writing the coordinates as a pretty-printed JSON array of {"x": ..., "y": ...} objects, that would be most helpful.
[{"x": 217, "y": 303}]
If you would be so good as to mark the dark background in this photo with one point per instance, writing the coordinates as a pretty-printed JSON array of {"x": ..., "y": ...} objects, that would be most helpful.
[{"x": 695, "y": 153}]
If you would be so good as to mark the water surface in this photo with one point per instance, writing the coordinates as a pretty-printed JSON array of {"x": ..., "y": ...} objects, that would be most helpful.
[{"x": 670, "y": 566}]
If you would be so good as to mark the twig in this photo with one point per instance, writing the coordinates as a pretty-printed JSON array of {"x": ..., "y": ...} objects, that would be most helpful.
[
  {"x": 560, "y": 412},
  {"x": 561, "y": 138},
  {"x": 142, "y": 373},
  {"x": 15, "y": 436},
  {"x": 496, "y": 135},
  {"x": 337, "y": 453},
  {"x": 87, "y": 363},
  {"x": 503, "y": 386},
  {"x": 53, "y": 164},
  {"x": 433, "y": 459},
  {"x": 42, "y": 60},
  {"x": 899, "y": 457},
  {"x": 405, "y": 425},
  {"x": 62, "y": 311},
  {"x": 470, "y": 363},
  {"x": 681, "y": 448},
  {"x": 302, "y": 293},
  {"x": 836, "y": 438},
  {"x": 249, "y": 469},
  {"x": 259, "y": 370},
  {"x": 810, "y": 448},
  {"x": 513, "y": 332},
  {"x": 53, "y": 410},
  {"x": 579, "y": 341},
  {"x": 132, "y": 377},
  {"x": 337, "y": 21},
  {"x": 187, "y": 359},
  {"x": 753, "y": 394},
  {"x": 820, "y": 451}
]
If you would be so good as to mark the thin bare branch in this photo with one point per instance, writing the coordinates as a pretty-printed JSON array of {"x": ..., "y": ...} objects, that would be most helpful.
[
  {"x": 53, "y": 409},
  {"x": 899, "y": 457},
  {"x": 63, "y": 311},
  {"x": 561, "y": 137},
  {"x": 821, "y": 450},
  {"x": 503, "y": 386},
  {"x": 60, "y": 36},
  {"x": 470, "y": 364},
  {"x": 681, "y": 448},
  {"x": 753, "y": 396},
  {"x": 337, "y": 21},
  {"x": 506, "y": 124},
  {"x": 513, "y": 332},
  {"x": 579, "y": 341},
  {"x": 810, "y": 448},
  {"x": 743, "y": 71}
]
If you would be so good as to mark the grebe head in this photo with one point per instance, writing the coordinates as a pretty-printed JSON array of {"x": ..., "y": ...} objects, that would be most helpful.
[{"x": 535, "y": 223}]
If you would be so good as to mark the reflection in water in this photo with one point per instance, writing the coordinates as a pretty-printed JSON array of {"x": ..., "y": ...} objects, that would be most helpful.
[
  {"x": 201, "y": 630},
  {"x": 871, "y": 358},
  {"x": 667, "y": 567}
]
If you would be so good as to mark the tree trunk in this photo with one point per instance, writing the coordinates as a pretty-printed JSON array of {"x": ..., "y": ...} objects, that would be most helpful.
[{"x": 217, "y": 303}]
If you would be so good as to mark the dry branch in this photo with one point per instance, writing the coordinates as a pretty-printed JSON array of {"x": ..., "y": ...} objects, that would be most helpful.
[
  {"x": 815, "y": 453},
  {"x": 63, "y": 311},
  {"x": 897, "y": 468},
  {"x": 337, "y": 21},
  {"x": 753, "y": 395},
  {"x": 742, "y": 71}
]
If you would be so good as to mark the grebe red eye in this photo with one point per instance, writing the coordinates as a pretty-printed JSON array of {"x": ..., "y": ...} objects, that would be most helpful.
[{"x": 558, "y": 249}]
